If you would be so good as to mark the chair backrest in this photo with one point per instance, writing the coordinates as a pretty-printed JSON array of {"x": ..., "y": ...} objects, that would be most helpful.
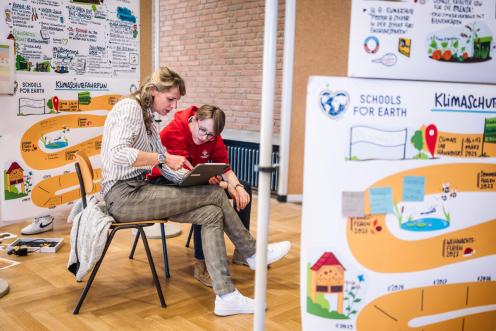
[{"x": 85, "y": 174}]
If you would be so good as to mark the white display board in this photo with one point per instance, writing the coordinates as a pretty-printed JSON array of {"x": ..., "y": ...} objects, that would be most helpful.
[
  {"x": 74, "y": 60},
  {"x": 398, "y": 216},
  {"x": 438, "y": 40}
]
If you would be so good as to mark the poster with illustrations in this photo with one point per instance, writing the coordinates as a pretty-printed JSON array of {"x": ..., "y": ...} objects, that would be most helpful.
[
  {"x": 79, "y": 37},
  {"x": 439, "y": 40},
  {"x": 52, "y": 118},
  {"x": 398, "y": 217},
  {"x": 73, "y": 61}
]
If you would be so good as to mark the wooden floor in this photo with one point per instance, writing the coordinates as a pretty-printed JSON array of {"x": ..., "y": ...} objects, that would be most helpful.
[{"x": 43, "y": 293}]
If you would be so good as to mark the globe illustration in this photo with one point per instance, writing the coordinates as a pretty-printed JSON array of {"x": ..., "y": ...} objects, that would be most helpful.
[{"x": 333, "y": 104}]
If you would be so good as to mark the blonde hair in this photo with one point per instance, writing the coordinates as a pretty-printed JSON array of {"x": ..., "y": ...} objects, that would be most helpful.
[
  {"x": 162, "y": 79},
  {"x": 215, "y": 113}
]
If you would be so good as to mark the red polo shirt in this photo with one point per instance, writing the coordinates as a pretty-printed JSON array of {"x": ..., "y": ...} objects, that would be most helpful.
[{"x": 177, "y": 139}]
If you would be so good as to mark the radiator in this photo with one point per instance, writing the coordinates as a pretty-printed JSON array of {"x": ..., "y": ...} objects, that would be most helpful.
[{"x": 244, "y": 156}]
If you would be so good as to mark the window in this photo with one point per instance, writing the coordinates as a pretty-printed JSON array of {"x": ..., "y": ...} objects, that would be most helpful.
[{"x": 321, "y": 288}]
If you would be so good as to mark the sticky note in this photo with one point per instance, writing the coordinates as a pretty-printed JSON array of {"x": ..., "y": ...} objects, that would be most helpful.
[
  {"x": 352, "y": 204},
  {"x": 413, "y": 188},
  {"x": 381, "y": 200}
]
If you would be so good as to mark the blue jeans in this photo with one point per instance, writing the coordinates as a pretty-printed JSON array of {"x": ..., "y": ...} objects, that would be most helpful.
[{"x": 243, "y": 214}]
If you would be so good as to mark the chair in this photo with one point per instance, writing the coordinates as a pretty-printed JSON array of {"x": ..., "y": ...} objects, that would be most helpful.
[
  {"x": 189, "y": 236},
  {"x": 164, "y": 247},
  {"x": 85, "y": 175}
]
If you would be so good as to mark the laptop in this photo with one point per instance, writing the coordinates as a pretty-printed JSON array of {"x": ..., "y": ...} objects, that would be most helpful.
[{"x": 201, "y": 173}]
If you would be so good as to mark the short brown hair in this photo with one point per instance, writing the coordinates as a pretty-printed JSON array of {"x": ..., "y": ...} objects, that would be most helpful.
[{"x": 215, "y": 113}]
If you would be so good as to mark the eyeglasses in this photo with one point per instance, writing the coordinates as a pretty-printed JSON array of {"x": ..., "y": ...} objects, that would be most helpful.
[{"x": 202, "y": 132}]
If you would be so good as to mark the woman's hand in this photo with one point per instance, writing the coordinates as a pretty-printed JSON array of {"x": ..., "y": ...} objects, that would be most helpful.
[{"x": 176, "y": 162}]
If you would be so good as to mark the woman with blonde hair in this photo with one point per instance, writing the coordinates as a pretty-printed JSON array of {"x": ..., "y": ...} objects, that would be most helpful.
[{"x": 131, "y": 146}]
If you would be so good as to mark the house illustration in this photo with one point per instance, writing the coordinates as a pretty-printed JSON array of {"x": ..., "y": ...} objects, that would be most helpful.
[
  {"x": 15, "y": 176},
  {"x": 327, "y": 276}
]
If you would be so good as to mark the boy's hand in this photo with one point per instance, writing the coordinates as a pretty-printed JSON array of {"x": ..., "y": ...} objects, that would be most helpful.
[
  {"x": 215, "y": 180},
  {"x": 243, "y": 198}
]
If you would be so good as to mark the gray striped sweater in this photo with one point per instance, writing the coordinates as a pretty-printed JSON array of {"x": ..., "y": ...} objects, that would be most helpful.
[{"x": 124, "y": 135}]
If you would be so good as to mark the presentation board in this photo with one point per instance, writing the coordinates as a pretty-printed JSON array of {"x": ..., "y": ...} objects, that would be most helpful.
[
  {"x": 74, "y": 60},
  {"x": 438, "y": 40},
  {"x": 398, "y": 215}
]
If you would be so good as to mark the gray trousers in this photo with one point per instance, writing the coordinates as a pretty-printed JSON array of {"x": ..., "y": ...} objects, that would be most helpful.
[{"x": 206, "y": 205}]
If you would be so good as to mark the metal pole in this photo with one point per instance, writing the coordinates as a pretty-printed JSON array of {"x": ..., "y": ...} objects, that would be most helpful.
[
  {"x": 268, "y": 92},
  {"x": 287, "y": 94},
  {"x": 156, "y": 34}
]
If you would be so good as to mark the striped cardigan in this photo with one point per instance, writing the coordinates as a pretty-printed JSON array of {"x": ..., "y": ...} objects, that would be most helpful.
[{"x": 124, "y": 135}]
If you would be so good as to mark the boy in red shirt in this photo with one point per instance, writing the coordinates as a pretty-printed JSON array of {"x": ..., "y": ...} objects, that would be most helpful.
[{"x": 195, "y": 134}]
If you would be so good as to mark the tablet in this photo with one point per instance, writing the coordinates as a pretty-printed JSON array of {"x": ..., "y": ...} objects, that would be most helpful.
[{"x": 201, "y": 173}]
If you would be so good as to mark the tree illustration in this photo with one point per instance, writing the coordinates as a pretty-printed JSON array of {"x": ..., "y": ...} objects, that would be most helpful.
[{"x": 418, "y": 141}]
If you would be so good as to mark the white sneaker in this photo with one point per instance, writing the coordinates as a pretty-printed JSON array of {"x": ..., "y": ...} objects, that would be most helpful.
[
  {"x": 275, "y": 252},
  {"x": 39, "y": 225},
  {"x": 233, "y": 303}
]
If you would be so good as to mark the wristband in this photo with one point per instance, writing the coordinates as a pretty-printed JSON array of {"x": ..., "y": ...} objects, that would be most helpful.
[{"x": 236, "y": 186}]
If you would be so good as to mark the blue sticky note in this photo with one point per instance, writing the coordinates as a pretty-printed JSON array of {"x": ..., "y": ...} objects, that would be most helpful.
[
  {"x": 413, "y": 188},
  {"x": 381, "y": 200}
]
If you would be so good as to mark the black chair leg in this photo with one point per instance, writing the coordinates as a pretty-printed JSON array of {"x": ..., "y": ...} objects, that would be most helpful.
[
  {"x": 189, "y": 236},
  {"x": 152, "y": 267},
  {"x": 131, "y": 255},
  {"x": 164, "y": 249},
  {"x": 93, "y": 274}
]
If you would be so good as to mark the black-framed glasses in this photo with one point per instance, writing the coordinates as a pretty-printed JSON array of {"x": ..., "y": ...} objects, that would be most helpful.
[{"x": 202, "y": 132}]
